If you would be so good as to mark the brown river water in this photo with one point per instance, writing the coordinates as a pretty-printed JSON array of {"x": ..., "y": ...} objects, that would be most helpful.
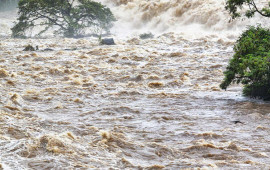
[{"x": 140, "y": 104}]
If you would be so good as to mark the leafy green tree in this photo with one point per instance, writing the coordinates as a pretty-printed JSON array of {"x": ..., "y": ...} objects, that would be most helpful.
[
  {"x": 235, "y": 7},
  {"x": 70, "y": 18},
  {"x": 250, "y": 64}
]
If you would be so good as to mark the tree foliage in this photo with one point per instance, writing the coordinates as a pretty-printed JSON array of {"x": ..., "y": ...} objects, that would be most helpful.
[
  {"x": 235, "y": 6},
  {"x": 70, "y": 18},
  {"x": 250, "y": 64}
]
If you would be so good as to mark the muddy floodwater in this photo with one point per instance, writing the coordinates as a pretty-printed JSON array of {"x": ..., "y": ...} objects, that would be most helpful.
[{"x": 140, "y": 104}]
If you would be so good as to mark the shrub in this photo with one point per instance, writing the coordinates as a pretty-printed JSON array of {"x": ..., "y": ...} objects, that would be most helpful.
[{"x": 250, "y": 64}]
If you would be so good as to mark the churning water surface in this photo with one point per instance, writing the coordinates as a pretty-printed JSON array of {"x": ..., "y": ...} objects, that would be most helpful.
[{"x": 141, "y": 104}]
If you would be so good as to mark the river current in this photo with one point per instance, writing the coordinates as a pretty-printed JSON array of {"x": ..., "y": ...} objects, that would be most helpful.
[{"x": 140, "y": 104}]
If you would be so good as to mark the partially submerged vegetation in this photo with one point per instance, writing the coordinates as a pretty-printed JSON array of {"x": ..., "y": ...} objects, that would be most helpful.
[
  {"x": 146, "y": 36},
  {"x": 250, "y": 64},
  {"x": 69, "y": 18}
]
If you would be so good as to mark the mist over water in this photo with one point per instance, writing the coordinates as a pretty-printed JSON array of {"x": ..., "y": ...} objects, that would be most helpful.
[
  {"x": 192, "y": 18},
  {"x": 8, "y": 15},
  {"x": 6, "y": 5},
  {"x": 140, "y": 104}
]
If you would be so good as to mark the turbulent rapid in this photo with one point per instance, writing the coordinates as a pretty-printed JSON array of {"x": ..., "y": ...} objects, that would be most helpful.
[
  {"x": 193, "y": 18},
  {"x": 140, "y": 104}
]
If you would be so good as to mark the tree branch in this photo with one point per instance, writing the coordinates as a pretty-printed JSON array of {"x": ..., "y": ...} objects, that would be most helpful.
[{"x": 257, "y": 10}]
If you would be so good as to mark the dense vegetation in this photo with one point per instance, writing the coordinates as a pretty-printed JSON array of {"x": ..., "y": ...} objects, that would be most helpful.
[
  {"x": 69, "y": 18},
  {"x": 250, "y": 64}
]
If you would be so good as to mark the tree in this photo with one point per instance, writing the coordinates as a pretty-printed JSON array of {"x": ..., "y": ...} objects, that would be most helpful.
[
  {"x": 235, "y": 6},
  {"x": 70, "y": 18},
  {"x": 250, "y": 64}
]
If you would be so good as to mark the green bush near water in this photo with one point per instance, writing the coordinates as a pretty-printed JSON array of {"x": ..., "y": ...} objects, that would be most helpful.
[{"x": 250, "y": 64}]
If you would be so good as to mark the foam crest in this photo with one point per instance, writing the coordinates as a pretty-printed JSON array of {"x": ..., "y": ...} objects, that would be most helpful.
[{"x": 189, "y": 16}]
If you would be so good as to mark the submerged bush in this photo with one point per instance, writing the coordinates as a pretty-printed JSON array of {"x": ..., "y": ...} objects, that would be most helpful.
[
  {"x": 250, "y": 64},
  {"x": 146, "y": 36}
]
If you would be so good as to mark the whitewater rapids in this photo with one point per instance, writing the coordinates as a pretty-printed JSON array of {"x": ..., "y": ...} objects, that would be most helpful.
[{"x": 141, "y": 104}]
